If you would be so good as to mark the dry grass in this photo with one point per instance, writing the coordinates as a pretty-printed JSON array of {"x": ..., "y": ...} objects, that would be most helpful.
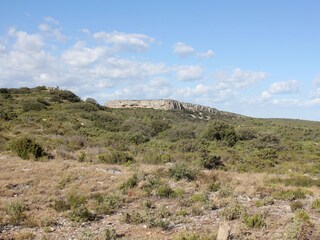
[{"x": 38, "y": 184}]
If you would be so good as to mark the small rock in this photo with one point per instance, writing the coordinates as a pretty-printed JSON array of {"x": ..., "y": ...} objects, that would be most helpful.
[{"x": 224, "y": 231}]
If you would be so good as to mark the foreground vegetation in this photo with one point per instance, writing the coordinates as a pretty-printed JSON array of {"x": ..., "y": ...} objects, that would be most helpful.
[{"x": 74, "y": 168}]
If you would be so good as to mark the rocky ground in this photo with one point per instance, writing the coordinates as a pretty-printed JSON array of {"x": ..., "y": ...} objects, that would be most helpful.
[{"x": 152, "y": 205}]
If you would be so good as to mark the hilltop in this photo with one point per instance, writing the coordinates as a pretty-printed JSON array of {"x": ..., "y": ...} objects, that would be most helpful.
[
  {"x": 71, "y": 168},
  {"x": 164, "y": 104}
]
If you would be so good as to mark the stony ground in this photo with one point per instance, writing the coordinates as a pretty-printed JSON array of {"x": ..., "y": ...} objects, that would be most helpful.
[{"x": 183, "y": 208}]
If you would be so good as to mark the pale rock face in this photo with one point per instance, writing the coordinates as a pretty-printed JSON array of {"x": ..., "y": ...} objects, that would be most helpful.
[{"x": 164, "y": 104}]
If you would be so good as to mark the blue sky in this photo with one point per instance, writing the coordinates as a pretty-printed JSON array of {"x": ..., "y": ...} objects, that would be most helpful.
[{"x": 257, "y": 58}]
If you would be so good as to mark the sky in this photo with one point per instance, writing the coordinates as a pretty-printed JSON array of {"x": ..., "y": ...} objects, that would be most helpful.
[{"x": 252, "y": 57}]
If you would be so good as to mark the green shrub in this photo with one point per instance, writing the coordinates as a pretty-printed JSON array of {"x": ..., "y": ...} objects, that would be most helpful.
[
  {"x": 108, "y": 204},
  {"x": 264, "y": 202},
  {"x": 254, "y": 221},
  {"x": 158, "y": 126},
  {"x": 60, "y": 205},
  {"x": 130, "y": 183},
  {"x": 115, "y": 157},
  {"x": 32, "y": 105},
  {"x": 301, "y": 215},
  {"x": 58, "y": 95},
  {"x": 220, "y": 131},
  {"x": 233, "y": 211},
  {"x": 199, "y": 197},
  {"x": 298, "y": 181},
  {"x": 139, "y": 138},
  {"x": 316, "y": 205},
  {"x": 245, "y": 134},
  {"x": 209, "y": 161},
  {"x": 296, "y": 205},
  {"x": 81, "y": 214},
  {"x": 85, "y": 106},
  {"x": 194, "y": 236},
  {"x": 225, "y": 191},
  {"x": 76, "y": 199},
  {"x": 26, "y": 148},
  {"x": 182, "y": 171},
  {"x": 164, "y": 190},
  {"x": 214, "y": 186},
  {"x": 177, "y": 134},
  {"x": 289, "y": 194},
  {"x": 110, "y": 234},
  {"x": 16, "y": 211},
  {"x": 132, "y": 217}
]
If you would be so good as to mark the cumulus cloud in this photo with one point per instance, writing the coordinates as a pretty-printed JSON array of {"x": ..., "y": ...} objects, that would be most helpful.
[
  {"x": 52, "y": 32},
  {"x": 182, "y": 49},
  {"x": 284, "y": 87},
  {"x": 51, "y": 20},
  {"x": 316, "y": 81},
  {"x": 238, "y": 78},
  {"x": 125, "y": 41},
  {"x": 189, "y": 73},
  {"x": 26, "y": 42},
  {"x": 207, "y": 54},
  {"x": 79, "y": 55}
]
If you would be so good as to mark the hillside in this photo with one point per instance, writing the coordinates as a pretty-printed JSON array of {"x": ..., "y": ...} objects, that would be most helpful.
[{"x": 71, "y": 168}]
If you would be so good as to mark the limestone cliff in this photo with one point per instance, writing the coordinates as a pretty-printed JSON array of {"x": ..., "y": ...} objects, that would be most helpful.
[{"x": 164, "y": 104}]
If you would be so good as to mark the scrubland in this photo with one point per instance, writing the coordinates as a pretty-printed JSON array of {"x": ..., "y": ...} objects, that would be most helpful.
[{"x": 72, "y": 169}]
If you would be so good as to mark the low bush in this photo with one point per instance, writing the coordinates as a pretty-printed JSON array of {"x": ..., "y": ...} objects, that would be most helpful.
[
  {"x": 130, "y": 183},
  {"x": 233, "y": 211},
  {"x": 298, "y": 181},
  {"x": 132, "y": 217},
  {"x": 254, "y": 221},
  {"x": 220, "y": 131},
  {"x": 60, "y": 205},
  {"x": 16, "y": 211},
  {"x": 316, "y": 205},
  {"x": 32, "y": 105},
  {"x": 115, "y": 157},
  {"x": 182, "y": 171},
  {"x": 289, "y": 194},
  {"x": 209, "y": 161},
  {"x": 108, "y": 204},
  {"x": 296, "y": 205},
  {"x": 264, "y": 202},
  {"x": 26, "y": 148},
  {"x": 110, "y": 234},
  {"x": 76, "y": 199},
  {"x": 164, "y": 190},
  {"x": 194, "y": 236},
  {"x": 81, "y": 214},
  {"x": 214, "y": 186},
  {"x": 301, "y": 215}
]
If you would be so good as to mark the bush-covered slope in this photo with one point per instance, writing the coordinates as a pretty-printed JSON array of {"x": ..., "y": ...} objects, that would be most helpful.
[{"x": 64, "y": 125}]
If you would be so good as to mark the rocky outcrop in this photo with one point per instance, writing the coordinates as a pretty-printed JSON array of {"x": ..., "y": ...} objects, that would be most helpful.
[{"x": 164, "y": 104}]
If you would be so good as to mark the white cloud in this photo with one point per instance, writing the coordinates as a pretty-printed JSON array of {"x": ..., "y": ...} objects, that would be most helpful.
[
  {"x": 189, "y": 73},
  {"x": 125, "y": 41},
  {"x": 207, "y": 54},
  {"x": 316, "y": 81},
  {"x": 80, "y": 56},
  {"x": 27, "y": 42},
  {"x": 2, "y": 48},
  {"x": 51, "y": 20},
  {"x": 238, "y": 78},
  {"x": 51, "y": 31},
  {"x": 284, "y": 87},
  {"x": 265, "y": 95},
  {"x": 182, "y": 49}
]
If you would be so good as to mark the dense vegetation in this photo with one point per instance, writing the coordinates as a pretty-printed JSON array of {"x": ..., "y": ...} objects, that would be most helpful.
[{"x": 66, "y": 125}]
